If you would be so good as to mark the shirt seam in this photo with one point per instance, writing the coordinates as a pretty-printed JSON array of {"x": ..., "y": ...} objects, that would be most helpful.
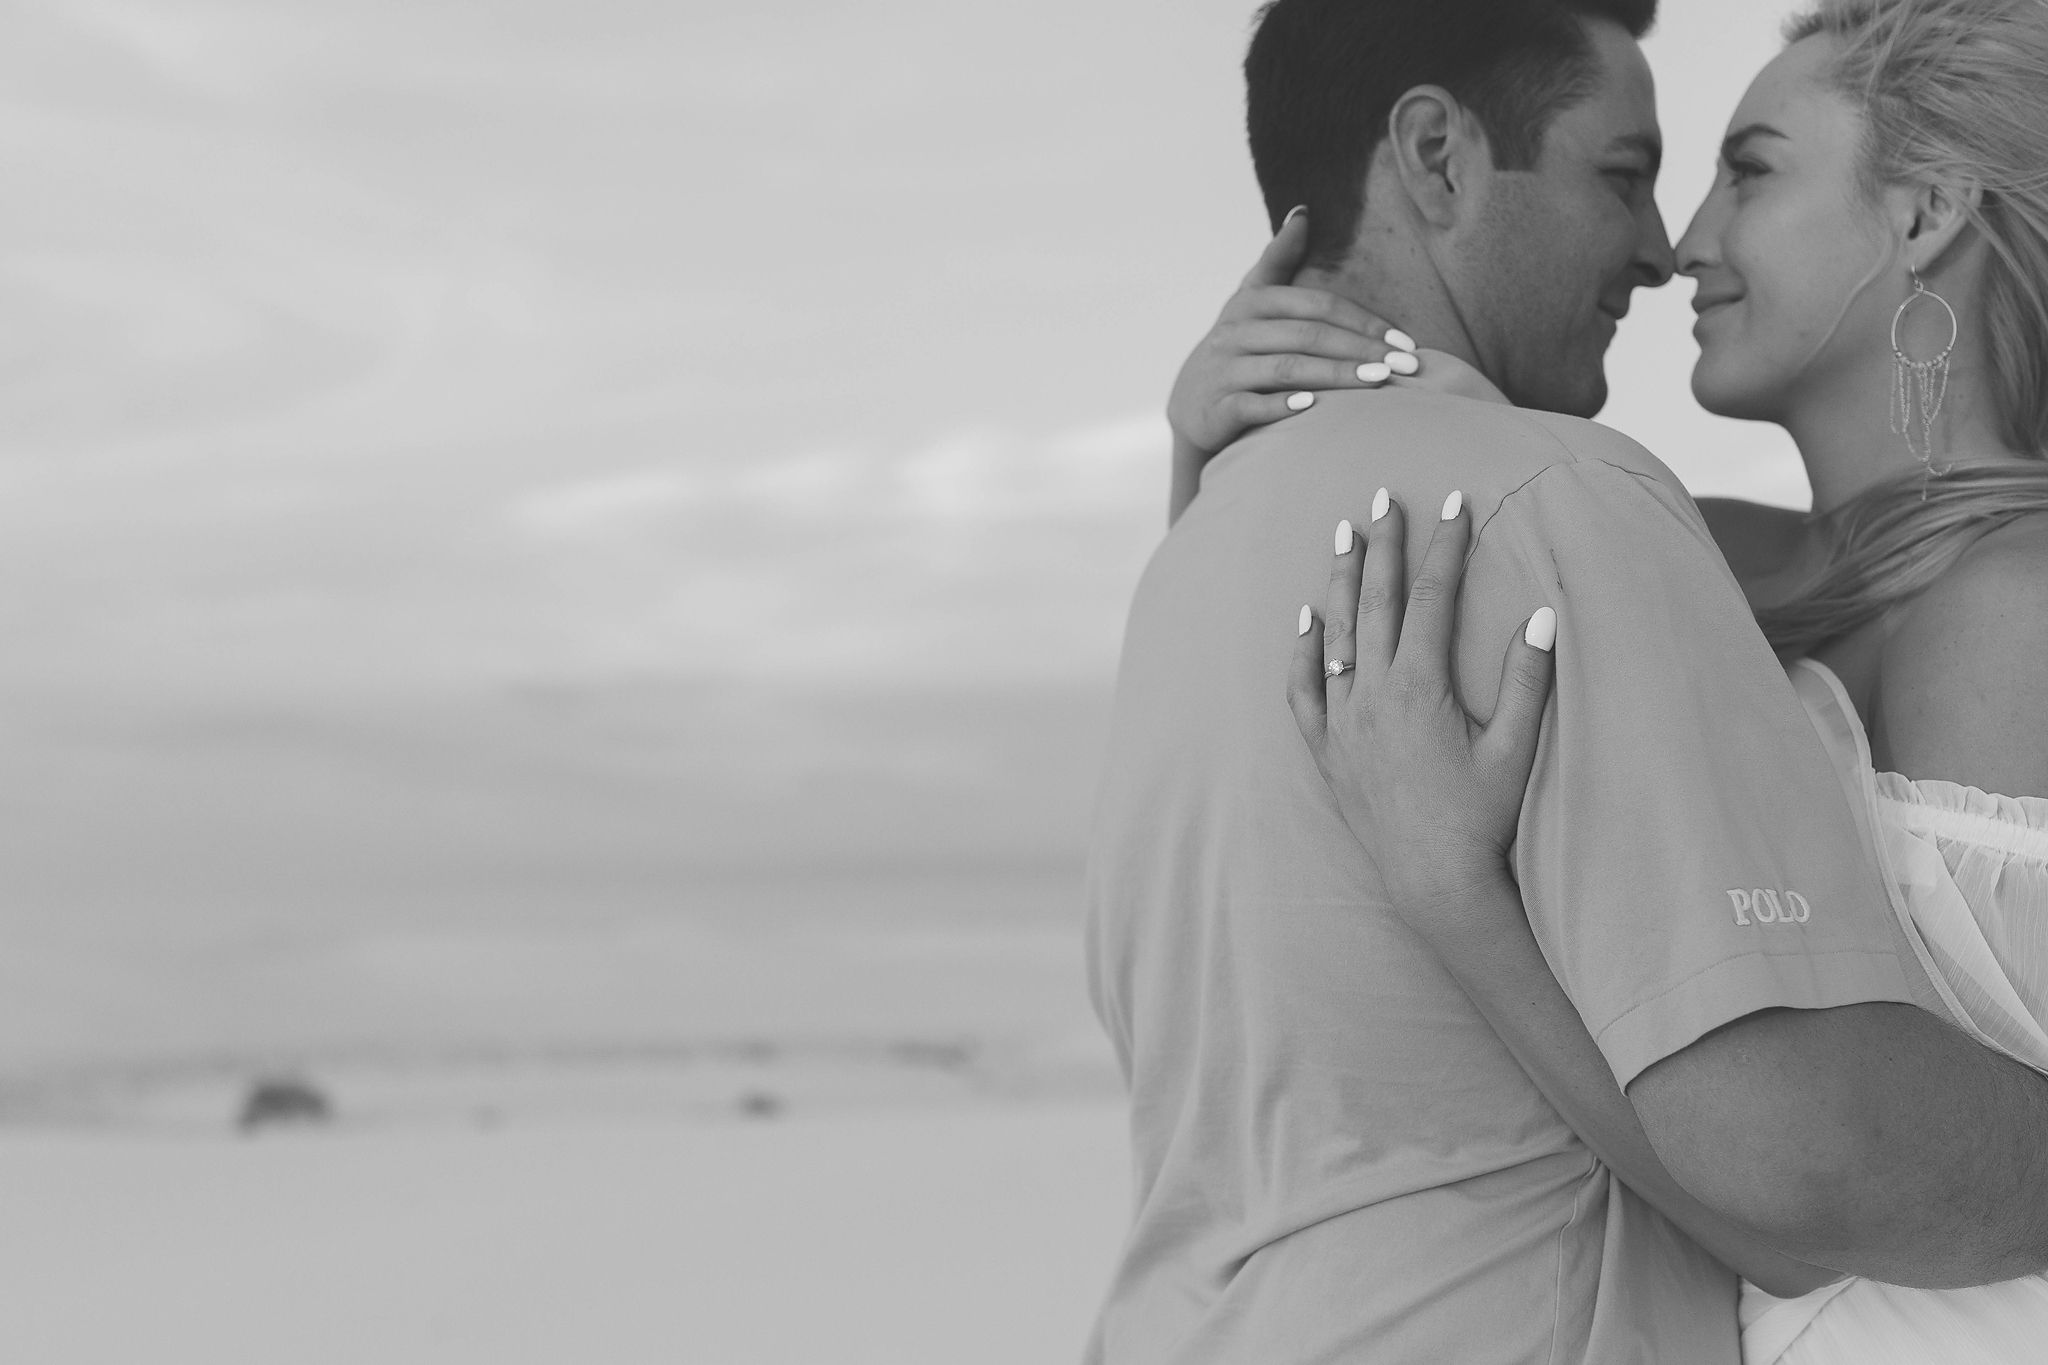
[
  {"x": 1718, "y": 963},
  {"x": 1557, "y": 1289},
  {"x": 1571, "y": 458},
  {"x": 1529, "y": 424}
]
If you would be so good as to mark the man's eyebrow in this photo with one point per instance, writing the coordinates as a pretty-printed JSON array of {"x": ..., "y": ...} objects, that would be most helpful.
[
  {"x": 1646, "y": 143},
  {"x": 1732, "y": 144}
]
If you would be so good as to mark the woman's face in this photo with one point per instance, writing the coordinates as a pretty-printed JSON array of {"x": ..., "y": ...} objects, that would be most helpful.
[{"x": 1792, "y": 260}]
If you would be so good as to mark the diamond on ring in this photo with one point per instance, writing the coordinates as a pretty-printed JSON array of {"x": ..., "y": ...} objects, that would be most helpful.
[{"x": 1336, "y": 668}]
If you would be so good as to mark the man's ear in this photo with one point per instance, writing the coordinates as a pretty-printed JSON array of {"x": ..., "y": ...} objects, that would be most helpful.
[
  {"x": 1933, "y": 218},
  {"x": 1433, "y": 140}
]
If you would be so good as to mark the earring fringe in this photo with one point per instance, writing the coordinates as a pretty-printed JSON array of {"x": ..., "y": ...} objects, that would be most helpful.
[{"x": 1919, "y": 386}]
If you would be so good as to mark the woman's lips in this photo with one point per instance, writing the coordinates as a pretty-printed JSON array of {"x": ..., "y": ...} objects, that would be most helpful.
[{"x": 1707, "y": 309}]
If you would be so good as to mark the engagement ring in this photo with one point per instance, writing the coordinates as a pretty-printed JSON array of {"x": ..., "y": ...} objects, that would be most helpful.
[{"x": 1336, "y": 667}]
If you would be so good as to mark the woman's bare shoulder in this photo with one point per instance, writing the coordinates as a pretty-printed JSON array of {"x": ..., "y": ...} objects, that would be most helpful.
[
  {"x": 1756, "y": 539},
  {"x": 1960, "y": 684}
]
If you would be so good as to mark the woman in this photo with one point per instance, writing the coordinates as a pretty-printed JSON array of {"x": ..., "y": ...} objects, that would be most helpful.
[{"x": 1883, "y": 175}]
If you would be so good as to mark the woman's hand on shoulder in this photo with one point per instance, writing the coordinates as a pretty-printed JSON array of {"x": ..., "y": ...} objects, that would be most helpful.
[
  {"x": 1434, "y": 796},
  {"x": 1274, "y": 346}
]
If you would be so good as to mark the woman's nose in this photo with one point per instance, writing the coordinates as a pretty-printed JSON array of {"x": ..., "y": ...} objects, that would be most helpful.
[{"x": 1699, "y": 248}]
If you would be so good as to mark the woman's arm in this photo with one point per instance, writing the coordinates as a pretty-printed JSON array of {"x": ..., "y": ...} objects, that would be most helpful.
[
  {"x": 1272, "y": 347},
  {"x": 1502, "y": 969},
  {"x": 1456, "y": 891},
  {"x": 1189, "y": 460}
]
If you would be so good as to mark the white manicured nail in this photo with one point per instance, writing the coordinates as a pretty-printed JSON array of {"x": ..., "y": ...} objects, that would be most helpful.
[
  {"x": 1308, "y": 618},
  {"x": 1542, "y": 631},
  {"x": 1293, "y": 214},
  {"x": 1453, "y": 505},
  {"x": 1379, "y": 504},
  {"x": 1401, "y": 362},
  {"x": 1343, "y": 537},
  {"x": 1374, "y": 373},
  {"x": 1399, "y": 339},
  {"x": 1300, "y": 402}
]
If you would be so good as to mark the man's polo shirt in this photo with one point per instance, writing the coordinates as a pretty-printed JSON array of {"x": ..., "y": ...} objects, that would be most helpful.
[{"x": 1336, "y": 1158}]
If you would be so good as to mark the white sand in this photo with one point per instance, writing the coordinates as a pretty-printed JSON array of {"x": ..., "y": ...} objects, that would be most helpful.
[{"x": 947, "y": 1235}]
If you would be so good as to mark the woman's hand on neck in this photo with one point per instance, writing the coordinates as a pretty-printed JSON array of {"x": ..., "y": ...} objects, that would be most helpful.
[{"x": 1415, "y": 300}]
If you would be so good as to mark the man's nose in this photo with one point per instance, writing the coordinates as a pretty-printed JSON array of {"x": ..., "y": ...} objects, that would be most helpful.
[{"x": 1655, "y": 259}]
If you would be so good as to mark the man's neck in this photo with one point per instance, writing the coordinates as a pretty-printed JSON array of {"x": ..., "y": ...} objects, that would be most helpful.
[{"x": 1400, "y": 284}]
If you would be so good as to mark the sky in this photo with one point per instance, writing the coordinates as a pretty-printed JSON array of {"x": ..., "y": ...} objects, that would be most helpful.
[{"x": 532, "y": 460}]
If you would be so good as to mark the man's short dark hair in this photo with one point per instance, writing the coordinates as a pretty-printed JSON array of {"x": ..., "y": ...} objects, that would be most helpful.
[{"x": 1322, "y": 78}]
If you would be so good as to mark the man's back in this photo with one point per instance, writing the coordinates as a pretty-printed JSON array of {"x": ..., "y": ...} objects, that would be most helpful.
[{"x": 1336, "y": 1157}]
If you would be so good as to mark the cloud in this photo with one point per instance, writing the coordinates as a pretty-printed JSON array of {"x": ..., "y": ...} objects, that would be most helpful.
[
  {"x": 595, "y": 508},
  {"x": 982, "y": 554}
]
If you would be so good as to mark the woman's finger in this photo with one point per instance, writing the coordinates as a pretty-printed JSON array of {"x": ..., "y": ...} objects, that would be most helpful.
[
  {"x": 1430, "y": 620},
  {"x": 1286, "y": 373},
  {"x": 1283, "y": 255},
  {"x": 1526, "y": 676},
  {"x": 1322, "y": 340},
  {"x": 1243, "y": 411},
  {"x": 1380, "y": 598},
  {"x": 1291, "y": 336},
  {"x": 1306, "y": 304},
  {"x": 1305, "y": 680},
  {"x": 1340, "y": 612}
]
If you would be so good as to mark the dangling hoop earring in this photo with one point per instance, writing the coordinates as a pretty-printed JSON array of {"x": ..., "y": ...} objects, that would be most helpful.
[{"x": 1918, "y": 386}]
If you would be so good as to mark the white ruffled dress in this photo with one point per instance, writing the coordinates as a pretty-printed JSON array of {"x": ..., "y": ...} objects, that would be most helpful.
[{"x": 1968, "y": 871}]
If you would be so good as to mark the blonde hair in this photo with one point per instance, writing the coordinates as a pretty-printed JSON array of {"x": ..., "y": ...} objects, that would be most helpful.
[
  {"x": 1895, "y": 541},
  {"x": 1952, "y": 92}
]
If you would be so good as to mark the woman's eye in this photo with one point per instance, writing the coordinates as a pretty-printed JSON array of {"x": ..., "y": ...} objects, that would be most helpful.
[{"x": 1740, "y": 171}]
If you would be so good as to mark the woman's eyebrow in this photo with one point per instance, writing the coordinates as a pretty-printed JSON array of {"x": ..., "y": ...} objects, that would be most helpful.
[{"x": 1732, "y": 144}]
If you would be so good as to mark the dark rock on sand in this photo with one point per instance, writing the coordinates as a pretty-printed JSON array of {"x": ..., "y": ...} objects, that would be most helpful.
[
  {"x": 761, "y": 1104},
  {"x": 276, "y": 1100}
]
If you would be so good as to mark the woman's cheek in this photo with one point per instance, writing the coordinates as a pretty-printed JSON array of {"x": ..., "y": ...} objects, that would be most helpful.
[
  {"x": 1753, "y": 339},
  {"x": 1738, "y": 374}
]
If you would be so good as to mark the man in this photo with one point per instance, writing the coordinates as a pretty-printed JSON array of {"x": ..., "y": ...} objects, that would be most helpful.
[{"x": 1337, "y": 1158}]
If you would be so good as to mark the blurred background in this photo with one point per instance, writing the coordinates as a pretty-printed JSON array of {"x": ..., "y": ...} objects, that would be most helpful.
[{"x": 561, "y": 568}]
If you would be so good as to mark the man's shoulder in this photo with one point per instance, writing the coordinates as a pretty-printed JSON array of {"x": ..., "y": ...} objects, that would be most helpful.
[
  {"x": 1528, "y": 476},
  {"x": 1602, "y": 489},
  {"x": 1588, "y": 442},
  {"x": 1469, "y": 435},
  {"x": 1347, "y": 419}
]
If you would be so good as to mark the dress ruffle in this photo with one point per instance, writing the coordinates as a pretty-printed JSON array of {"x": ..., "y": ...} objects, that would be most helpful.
[
  {"x": 2016, "y": 825},
  {"x": 1968, "y": 873}
]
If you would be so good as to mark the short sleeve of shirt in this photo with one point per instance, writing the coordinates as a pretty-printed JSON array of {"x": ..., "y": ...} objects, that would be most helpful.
[{"x": 1686, "y": 853}]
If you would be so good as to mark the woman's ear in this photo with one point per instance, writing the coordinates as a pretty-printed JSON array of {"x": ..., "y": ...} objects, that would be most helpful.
[{"x": 1937, "y": 215}]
